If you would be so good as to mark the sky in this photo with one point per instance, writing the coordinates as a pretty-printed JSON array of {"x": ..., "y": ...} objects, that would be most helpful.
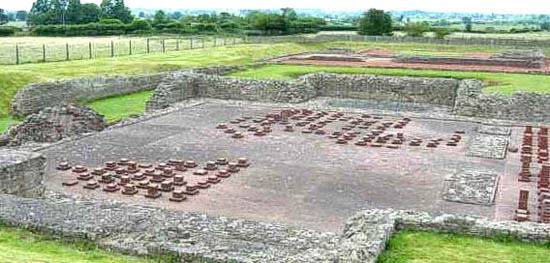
[{"x": 470, "y": 6}]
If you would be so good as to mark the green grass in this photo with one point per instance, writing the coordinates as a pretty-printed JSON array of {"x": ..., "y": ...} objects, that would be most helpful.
[
  {"x": 13, "y": 77},
  {"x": 6, "y": 122},
  {"x": 21, "y": 246},
  {"x": 117, "y": 108},
  {"x": 431, "y": 247},
  {"x": 504, "y": 83}
]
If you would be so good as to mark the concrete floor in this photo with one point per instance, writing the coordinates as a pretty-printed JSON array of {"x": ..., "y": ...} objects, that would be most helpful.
[{"x": 297, "y": 179}]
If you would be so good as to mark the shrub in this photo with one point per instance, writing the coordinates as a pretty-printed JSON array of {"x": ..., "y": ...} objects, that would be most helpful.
[
  {"x": 110, "y": 21},
  {"x": 7, "y": 31},
  {"x": 338, "y": 28},
  {"x": 416, "y": 29},
  {"x": 442, "y": 32},
  {"x": 141, "y": 24}
]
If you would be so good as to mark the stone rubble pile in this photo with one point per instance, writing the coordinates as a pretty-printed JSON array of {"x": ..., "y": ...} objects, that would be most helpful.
[{"x": 55, "y": 123}]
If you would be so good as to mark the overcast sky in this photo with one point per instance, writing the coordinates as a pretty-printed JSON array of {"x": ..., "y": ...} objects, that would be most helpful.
[{"x": 483, "y": 6}]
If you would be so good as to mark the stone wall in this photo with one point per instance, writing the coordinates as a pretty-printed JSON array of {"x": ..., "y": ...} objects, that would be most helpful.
[
  {"x": 145, "y": 230},
  {"x": 21, "y": 173},
  {"x": 507, "y": 62},
  {"x": 472, "y": 102},
  {"x": 436, "y": 91},
  {"x": 180, "y": 86},
  {"x": 140, "y": 230},
  {"x": 366, "y": 233},
  {"x": 37, "y": 96}
]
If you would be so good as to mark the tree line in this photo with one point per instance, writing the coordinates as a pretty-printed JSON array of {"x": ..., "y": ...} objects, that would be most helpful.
[{"x": 71, "y": 18}]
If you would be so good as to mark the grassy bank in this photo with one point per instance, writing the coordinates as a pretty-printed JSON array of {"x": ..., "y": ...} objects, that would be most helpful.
[
  {"x": 429, "y": 247},
  {"x": 21, "y": 246},
  {"x": 120, "y": 107},
  {"x": 504, "y": 83}
]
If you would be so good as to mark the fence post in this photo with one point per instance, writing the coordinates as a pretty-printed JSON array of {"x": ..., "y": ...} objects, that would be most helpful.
[
  {"x": 130, "y": 46},
  {"x": 202, "y": 42},
  {"x": 90, "y": 49},
  {"x": 234, "y": 40},
  {"x": 147, "y": 46},
  {"x": 191, "y": 42},
  {"x": 163, "y": 47},
  {"x": 177, "y": 44},
  {"x": 112, "y": 49},
  {"x": 44, "y": 52},
  {"x": 215, "y": 39},
  {"x": 67, "y": 49},
  {"x": 16, "y": 54}
]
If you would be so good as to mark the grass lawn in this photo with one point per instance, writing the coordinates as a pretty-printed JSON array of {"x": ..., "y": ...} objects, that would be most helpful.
[
  {"x": 430, "y": 247},
  {"x": 504, "y": 83},
  {"x": 120, "y": 107},
  {"x": 14, "y": 77},
  {"x": 6, "y": 122},
  {"x": 21, "y": 246}
]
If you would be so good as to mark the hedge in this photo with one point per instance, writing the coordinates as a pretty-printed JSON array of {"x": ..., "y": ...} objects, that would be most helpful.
[{"x": 7, "y": 31}]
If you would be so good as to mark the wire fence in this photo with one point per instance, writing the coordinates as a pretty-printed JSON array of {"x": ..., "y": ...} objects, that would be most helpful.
[{"x": 21, "y": 53}]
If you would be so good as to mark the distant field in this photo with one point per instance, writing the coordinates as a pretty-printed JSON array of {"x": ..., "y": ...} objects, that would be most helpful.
[
  {"x": 40, "y": 49},
  {"x": 430, "y": 247},
  {"x": 503, "y": 83}
]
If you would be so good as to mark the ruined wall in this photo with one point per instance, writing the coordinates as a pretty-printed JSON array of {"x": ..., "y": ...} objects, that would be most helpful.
[
  {"x": 56, "y": 123},
  {"x": 366, "y": 233},
  {"x": 21, "y": 173},
  {"x": 520, "y": 63},
  {"x": 37, "y": 96},
  {"x": 472, "y": 102},
  {"x": 185, "y": 85},
  {"x": 438, "y": 91}
]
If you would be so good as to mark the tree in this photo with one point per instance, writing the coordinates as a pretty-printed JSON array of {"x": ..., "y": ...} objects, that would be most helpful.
[
  {"x": 442, "y": 32},
  {"x": 90, "y": 13},
  {"x": 416, "y": 29},
  {"x": 60, "y": 8},
  {"x": 117, "y": 10},
  {"x": 3, "y": 17},
  {"x": 289, "y": 16},
  {"x": 74, "y": 12},
  {"x": 141, "y": 15},
  {"x": 545, "y": 25},
  {"x": 160, "y": 18},
  {"x": 21, "y": 15},
  {"x": 176, "y": 15},
  {"x": 375, "y": 22},
  {"x": 467, "y": 23}
]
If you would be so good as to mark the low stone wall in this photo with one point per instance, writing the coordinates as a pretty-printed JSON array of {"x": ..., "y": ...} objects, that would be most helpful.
[
  {"x": 37, "y": 96},
  {"x": 520, "y": 63},
  {"x": 180, "y": 86},
  {"x": 366, "y": 233},
  {"x": 21, "y": 173},
  {"x": 435, "y": 91},
  {"x": 470, "y": 101},
  {"x": 144, "y": 230}
]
